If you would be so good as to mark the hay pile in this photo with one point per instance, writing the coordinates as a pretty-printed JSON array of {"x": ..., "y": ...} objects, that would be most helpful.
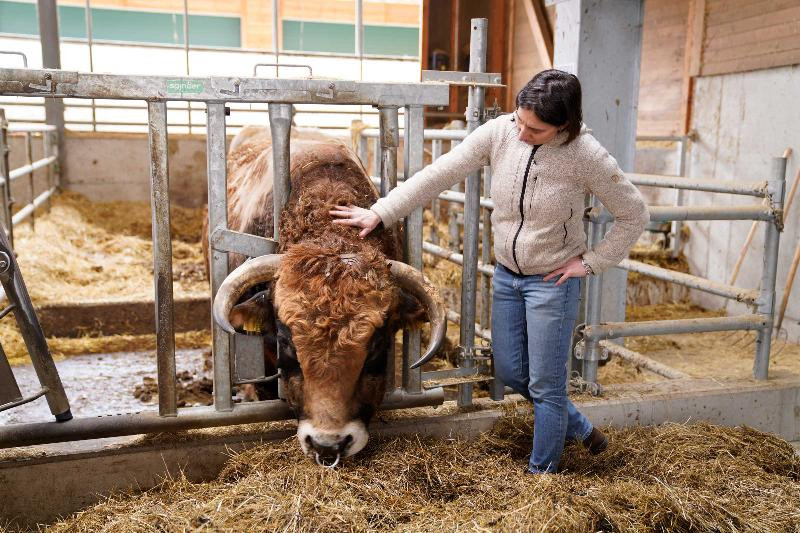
[
  {"x": 669, "y": 478},
  {"x": 81, "y": 251}
]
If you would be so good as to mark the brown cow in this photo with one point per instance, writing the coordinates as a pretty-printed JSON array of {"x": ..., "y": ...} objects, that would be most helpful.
[{"x": 332, "y": 300}]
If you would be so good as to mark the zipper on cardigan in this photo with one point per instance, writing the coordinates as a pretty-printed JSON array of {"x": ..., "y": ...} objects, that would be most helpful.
[{"x": 522, "y": 206}]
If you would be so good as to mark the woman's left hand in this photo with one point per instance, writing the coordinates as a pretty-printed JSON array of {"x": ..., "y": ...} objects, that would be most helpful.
[{"x": 571, "y": 269}]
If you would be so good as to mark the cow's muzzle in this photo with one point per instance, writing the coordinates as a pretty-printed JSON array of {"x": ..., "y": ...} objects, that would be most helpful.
[{"x": 262, "y": 269}]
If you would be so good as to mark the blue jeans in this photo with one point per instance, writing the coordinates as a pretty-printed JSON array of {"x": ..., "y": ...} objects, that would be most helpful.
[{"x": 532, "y": 322}]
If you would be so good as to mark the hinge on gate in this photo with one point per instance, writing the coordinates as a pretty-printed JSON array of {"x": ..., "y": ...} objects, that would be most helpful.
[
  {"x": 492, "y": 112},
  {"x": 580, "y": 350}
]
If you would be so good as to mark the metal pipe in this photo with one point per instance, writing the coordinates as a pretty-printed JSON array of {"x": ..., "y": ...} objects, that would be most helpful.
[
  {"x": 770, "y": 270},
  {"x": 186, "y": 52},
  {"x": 677, "y": 226},
  {"x": 363, "y": 150},
  {"x": 29, "y": 161},
  {"x": 438, "y": 251},
  {"x": 51, "y": 59},
  {"x": 659, "y": 138},
  {"x": 28, "y": 210},
  {"x": 218, "y": 221},
  {"x": 376, "y": 159},
  {"x": 275, "y": 44},
  {"x": 452, "y": 213},
  {"x": 436, "y": 153},
  {"x": 413, "y": 144},
  {"x": 280, "y": 124},
  {"x": 455, "y": 318},
  {"x": 666, "y": 213},
  {"x": 31, "y": 331},
  {"x": 89, "y": 32},
  {"x": 4, "y": 175},
  {"x": 594, "y": 304},
  {"x": 430, "y": 134},
  {"x": 360, "y": 37},
  {"x": 748, "y": 296},
  {"x": 389, "y": 140},
  {"x": 15, "y": 53},
  {"x": 643, "y": 361},
  {"x": 472, "y": 189},
  {"x": 747, "y": 188},
  {"x": 29, "y": 168},
  {"x": 21, "y": 128},
  {"x": 615, "y": 330},
  {"x": 162, "y": 257},
  {"x": 48, "y": 152}
]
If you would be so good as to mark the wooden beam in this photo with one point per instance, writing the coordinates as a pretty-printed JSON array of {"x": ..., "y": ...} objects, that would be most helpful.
[
  {"x": 424, "y": 29},
  {"x": 544, "y": 52},
  {"x": 498, "y": 45},
  {"x": 508, "y": 75},
  {"x": 544, "y": 25},
  {"x": 693, "y": 57}
]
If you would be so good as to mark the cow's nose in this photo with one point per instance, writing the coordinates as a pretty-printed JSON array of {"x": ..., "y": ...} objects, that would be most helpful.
[{"x": 329, "y": 454}]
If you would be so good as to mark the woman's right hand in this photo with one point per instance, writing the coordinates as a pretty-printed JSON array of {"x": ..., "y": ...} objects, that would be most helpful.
[{"x": 358, "y": 217}]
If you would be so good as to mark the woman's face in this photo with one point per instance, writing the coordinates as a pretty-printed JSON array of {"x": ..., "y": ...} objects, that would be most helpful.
[{"x": 532, "y": 129}]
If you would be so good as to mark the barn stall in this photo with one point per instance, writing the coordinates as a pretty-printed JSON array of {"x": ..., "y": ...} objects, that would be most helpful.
[{"x": 690, "y": 359}]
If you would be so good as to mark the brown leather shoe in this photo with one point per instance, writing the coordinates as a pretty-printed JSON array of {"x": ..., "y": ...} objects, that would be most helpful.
[{"x": 596, "y": 442}]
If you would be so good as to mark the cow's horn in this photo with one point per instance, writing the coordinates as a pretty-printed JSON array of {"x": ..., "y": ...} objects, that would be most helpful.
[
  {"x": 412, "y": 279},
  {"x": 257, "y": 270}
]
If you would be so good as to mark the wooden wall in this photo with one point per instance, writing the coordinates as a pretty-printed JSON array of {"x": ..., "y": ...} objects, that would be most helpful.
[{"x": 743, "y": 35}]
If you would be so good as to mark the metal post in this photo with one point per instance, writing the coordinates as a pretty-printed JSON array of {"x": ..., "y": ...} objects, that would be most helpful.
[
  {"x": 5, "y": 171},
  {"x": 280, "y": 125},
  {"x": 48, "y": 151},
  {"x": 376, "y": 156},
  {"x": 360, "y": 37},
  {"x": 472, "y": 191},
  {"x": 218, "y": 219},
  {"x": 29, "y": 161},
  {"x": 389, "y": 140},
  {"x": 594, "y": 306},
  {"x": 363, "y": 150},
  {"x": 280, "y": 122},
  {"x": 275, "y": 45},
  {"x": 186, "y": 53},
  {"x": 676, "y": 226},
  {"x": 436, "y": 153},
  {"x": 162, "y": 257},
  {"x": 452, "y": 214},
  {"x": 51, "y": 58},
  {"x": 769, "y": 273},
  {"x": 412, "y": 379},
  {"x": 90, "y": 42}
]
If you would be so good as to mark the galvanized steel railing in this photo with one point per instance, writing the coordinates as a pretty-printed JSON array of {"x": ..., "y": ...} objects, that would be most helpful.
[
  {"x": 215, "y": 92},
  {"x": 49, "y": 161}
]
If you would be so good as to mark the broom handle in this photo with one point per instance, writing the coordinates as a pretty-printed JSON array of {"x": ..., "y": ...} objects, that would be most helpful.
[
  {"x": 789, "y": 282},
  {"x": 754, "y": 226}
]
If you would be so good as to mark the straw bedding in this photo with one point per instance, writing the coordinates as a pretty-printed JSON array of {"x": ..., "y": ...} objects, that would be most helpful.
[{"x": 669, "y": 478}]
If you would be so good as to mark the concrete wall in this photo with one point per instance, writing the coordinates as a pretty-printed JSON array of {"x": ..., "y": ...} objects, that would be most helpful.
[{"x": 742, "y": 121}]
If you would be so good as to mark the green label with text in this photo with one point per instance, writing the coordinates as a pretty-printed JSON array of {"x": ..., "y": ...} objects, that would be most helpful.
[{"x": 184, "y": 87}]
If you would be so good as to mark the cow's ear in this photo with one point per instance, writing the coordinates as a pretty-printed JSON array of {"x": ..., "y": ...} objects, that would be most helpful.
[
  {"x": 410, "y": 311},
  {"x": 253, "y": 315}
]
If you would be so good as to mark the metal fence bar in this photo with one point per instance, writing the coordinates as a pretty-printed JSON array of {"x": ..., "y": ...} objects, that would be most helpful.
[
  {"x": 747, "y": 188},
  {"x": 643, "y": 361},
  {"x": 4, "y": 176},
  {"x": 747, "y": 296},
  {"x": 666, "y": 213},
  {"x": 436, "y": 153},
  {"x": 770, "y": 270},
  {"x": 453, "y": 257},
  {"x": 29, "y": 208},
  {"x": 430, "y": 134},
  {"x": 680, "y": 199},
  {"x": 29, "y": 168},
  {"x": 63, "y": 83},
  {"x": 594, "y": 303},
  {"x": 29, "y": 161},
  {"x": 472, "y": 190},
  {"x": 615, "y": 330},
  {"x": 389, "y": 141},
  {"x": 452, "y": 213},
  {"x": 162, "y": 258},
  {"x": 413, "y": 143},
  {"x": 218, "y": 220}
]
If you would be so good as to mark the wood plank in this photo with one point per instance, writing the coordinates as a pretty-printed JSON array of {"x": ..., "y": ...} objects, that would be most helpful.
[
  {"x": 660, "y": 9},
  {"x": 762, "y": 21},
  {"x": 658, "y": 127},
  {"x": 544, "y": 25},
  {"x": 545, "y": 57},
  {"x": 768, "y": 60},
  {"x": 732, "y": 10},
  {"x": 509, "y": 74},
  {"x": 789, "y": 30},
  {"x": 696, "y": 36},
  {"x": 766, "y": 46}
]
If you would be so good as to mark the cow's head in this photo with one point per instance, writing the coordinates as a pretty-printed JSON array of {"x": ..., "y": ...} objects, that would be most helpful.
[{"x": 337, "y": 314}]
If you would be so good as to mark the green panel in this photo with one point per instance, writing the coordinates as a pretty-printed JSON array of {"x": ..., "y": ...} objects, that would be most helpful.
[
  {"x": 72, "y": 22},
  {"x": 18, "y": 17},
  {"x": 391, "y": 40},
  {"x": 307, "y": 36},
  {"x": 205, "y": 30},
  {"x": 125, "y": 25}
]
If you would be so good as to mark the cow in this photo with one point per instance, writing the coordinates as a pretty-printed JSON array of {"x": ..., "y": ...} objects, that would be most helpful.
[{"x": 332, "y": 300}]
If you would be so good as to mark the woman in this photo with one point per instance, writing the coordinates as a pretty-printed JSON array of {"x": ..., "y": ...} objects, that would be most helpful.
[{"x": 543, "y": 163}]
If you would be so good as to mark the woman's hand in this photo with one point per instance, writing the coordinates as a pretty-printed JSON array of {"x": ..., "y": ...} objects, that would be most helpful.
[
  {"x": 571, "y": 269},
  {"x": 358, "y": 217}
]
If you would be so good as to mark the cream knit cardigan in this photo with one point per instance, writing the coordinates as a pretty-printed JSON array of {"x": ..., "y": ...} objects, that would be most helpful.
[{"x": 537, "y": 221}]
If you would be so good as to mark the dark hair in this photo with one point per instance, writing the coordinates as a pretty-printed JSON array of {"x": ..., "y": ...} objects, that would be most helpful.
[{"x": 555, "y": 97}]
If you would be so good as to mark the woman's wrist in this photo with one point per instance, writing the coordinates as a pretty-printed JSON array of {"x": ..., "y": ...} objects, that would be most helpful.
[{"x": 586, "y": 267}]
